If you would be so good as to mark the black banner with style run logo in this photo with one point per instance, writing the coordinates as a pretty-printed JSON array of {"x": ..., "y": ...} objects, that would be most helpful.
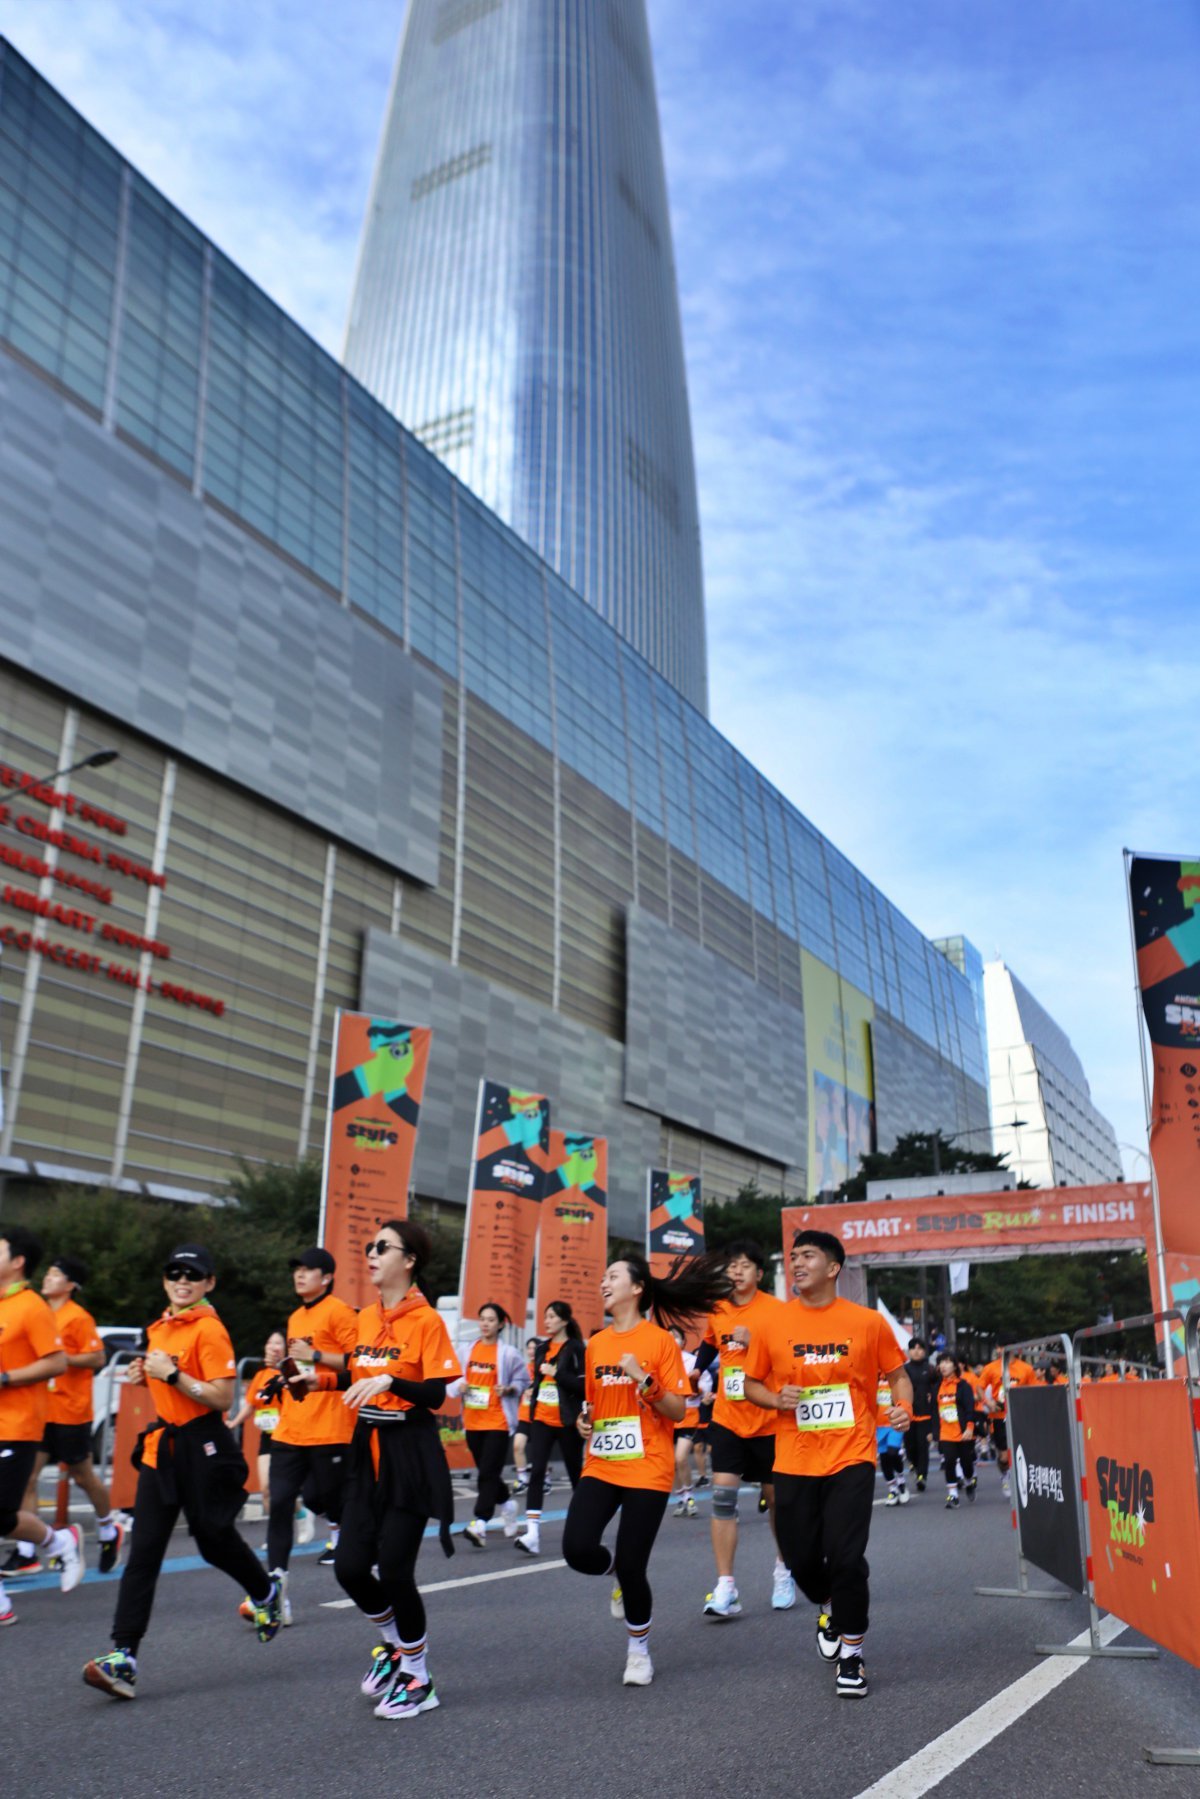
[{"x": 1041, "y": 1436}]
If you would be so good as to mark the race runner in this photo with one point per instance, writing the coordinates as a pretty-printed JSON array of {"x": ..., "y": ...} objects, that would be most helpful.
[
  {"x": 956, "y": 1429},
  {"x": 685, "y": 1432},
  {"x": 1020, "y": 1374},
  {"x": 889, "y": 1445},
  {"x": 491, "y": 1386},
  {"x": 555, "y": 1398}
]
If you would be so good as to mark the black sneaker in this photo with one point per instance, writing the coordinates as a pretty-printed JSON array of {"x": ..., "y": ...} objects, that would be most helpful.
[
  {"x": 110, "y": 1549},
  {"x": 971, "y": 1486},
  {"x": 851, "y": 1677},
  {"x": 325, "y": 1559},
  {"x": 17, "y": 1566},
  {"x": 829, "y": 1642},
  {"x": 920, "y": 1483}
]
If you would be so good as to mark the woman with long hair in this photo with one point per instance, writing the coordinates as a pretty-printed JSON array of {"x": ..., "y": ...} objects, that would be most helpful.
[
  {"x": 493, "y": 1381},
  {"x": 395, "y": 1380},
  {"x": 636, "y": 1395},
  {"x": 555, "y": 1400}
]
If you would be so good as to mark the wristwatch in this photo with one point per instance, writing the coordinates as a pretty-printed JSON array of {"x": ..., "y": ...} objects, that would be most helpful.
[
  {"x": 647, "y": 1385},
  {"x": 5, "y": 1377},
  {"x": 173, "y": 1378}
]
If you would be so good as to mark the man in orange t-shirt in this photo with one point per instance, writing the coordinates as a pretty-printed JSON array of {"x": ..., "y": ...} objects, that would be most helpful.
[
  {"x": 30, "y": 1357},
  {"x": 817, "y": 1362},
  {"x": 991, "y": 1382},
  {"x": 310, "y": 1447},
  {"x": 68, "y": 1437}
]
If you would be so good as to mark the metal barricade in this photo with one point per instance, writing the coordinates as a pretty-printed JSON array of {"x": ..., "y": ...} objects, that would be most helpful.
[{"x": 1023, "y": 1590}]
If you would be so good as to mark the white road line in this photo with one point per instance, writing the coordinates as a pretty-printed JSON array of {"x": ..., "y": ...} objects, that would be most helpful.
[
  {"x": 940, "y": 1758},
  {"x": 468, "y": 1580}
]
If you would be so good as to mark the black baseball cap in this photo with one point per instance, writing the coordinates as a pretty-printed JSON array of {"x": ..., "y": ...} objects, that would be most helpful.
[
  {"x": 314, "y": 1258},
  {"x": 194, "y": 1256},
  {"x": 72, "y": 1267}
]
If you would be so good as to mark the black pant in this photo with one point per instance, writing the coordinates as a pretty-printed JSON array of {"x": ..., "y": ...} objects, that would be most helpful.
[
  {"x": 489, "y": 1452},
  {"x": 891, "y": 1463},
  {"x": 16, "y": 1465},
  {"x": 916, "y": 1445},
  {"x": 389, "y": 1541},
  {"x": 594, "y": 1504},
  {"x": 154, "y": 1520},
  {"x": 542, "y": 1438},
  {"x": 822, "y": 1523},
  {"x": 317, "y": 1470},
  {"x": 956, "y": 1456}
]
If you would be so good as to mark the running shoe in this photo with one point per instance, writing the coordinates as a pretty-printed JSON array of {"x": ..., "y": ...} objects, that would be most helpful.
[
  {"x": 829, "y": 1643},
  {"x": 723, "y": 1603},
  {"x": 851, "y": 1677},
  {"x": 385, "y": 1665},
  {"x": 920, "y": 1483},
  {"x": 114, "y": 1673},
  {"x": 783, "y": 1590},
  {"x": 762, "y": 1501},
  {"x": 521, "y": 1480},
  {"x": 893, "y": 1497},
  {"x": 639, "y": 1669},
  {"x": 326, "y": 1557},
  {"x": 73, "y": 1565},
  {"x": 475, "y": 1532},
  {"x": 246, "y": 1610},
  {"x": 1006, "y": 1487},
  {"x": 686, "y": 1507},
  {"x": 279, "y": 1576},
  {"x": 702, "y": 1480},
  {"x": 508, "y": 1513},
  {"x": 951, "y": 1501},
  {"x": 406, "y": 1697},
  {"x": 971, "y": 1486},
  {"x": 903, "y": 1494},
  {"x": 268, "y": 1617},
  {"x": 616, "y": 1604},
  {"x": 528, "y": 1544},
  {"x": 7, "y": 1617},
  {"x": 306, "y": 1525},
  {"x": 110, "y": 1550},
  {"x": 17, "y": 1566}
]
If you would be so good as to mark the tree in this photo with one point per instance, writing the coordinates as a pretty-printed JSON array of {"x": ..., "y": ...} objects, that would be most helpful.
[{"x": 920, "y": 1153}]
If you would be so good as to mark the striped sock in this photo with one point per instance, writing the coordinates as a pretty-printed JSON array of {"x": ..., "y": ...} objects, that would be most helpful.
[
  {"x": 387, "y": 1626},
  {"x": 412, "y": 1660},
  {"x": 639, "y": 1638},
  {"x": 851, "y": 1645}
]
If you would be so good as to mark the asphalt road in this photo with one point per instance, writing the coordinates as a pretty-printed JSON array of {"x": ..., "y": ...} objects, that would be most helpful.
[{"x": 529, "y": 1673}]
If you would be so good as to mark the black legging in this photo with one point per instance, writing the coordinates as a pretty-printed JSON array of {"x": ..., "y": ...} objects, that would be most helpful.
[
  {"x": 319, "y": 1471},
  {"x": 594, "y": 1503},
  {"x": 916, "y": 1443},
  {"x": 542, "y": 1438},
  {"x": 955, "y": 1456},
  {"x": 391, "y": 1543},
  {"x": 154, "y": 1520},
  {"x": 489, "y": 1452},
  {"x": 822, "y": 1523},
  {"x": 891, "y": 1463}
]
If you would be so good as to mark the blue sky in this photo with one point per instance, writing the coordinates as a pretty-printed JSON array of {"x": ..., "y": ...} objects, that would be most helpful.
[{"x": 938, "y": 263}]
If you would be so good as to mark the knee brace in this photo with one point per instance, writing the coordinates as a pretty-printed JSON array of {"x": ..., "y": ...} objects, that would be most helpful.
[
  {"x": 8, "y": 1523},
  {"x": 725, "y": 1502}
]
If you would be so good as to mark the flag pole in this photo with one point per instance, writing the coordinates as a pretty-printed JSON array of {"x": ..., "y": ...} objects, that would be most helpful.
[{"x": 1156, "y": 1210}]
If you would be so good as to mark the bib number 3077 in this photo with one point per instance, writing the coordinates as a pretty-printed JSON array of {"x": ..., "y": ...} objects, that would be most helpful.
[
  {"x": 825, "y": 1408},
  {"x": 617, "y": 1439}
]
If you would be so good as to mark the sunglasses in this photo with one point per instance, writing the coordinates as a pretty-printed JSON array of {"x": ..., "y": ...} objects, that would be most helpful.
[
  {"x": 381, "y": 1247},
  {"x": 179, "y": 1271}
]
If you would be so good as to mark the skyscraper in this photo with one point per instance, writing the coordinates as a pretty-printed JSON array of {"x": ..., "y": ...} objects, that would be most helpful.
[{"x": 515, "y": 301}]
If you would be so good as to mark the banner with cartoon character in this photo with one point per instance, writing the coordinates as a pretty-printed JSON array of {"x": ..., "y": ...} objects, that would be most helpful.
[
  {"x": 377, "y": 1078},
  {"x": 674, "y": 1219},
  {"x": 573, "y": 1235},
  {"x": 512, "y": 1160}
]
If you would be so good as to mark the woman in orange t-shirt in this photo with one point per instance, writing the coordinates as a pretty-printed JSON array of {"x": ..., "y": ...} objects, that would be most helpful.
[
  {"x": 494, "y": 1377},
  {"x": 263, "y": 1408},
  {"x": 636, "y": 1394},
  {"x": 554, "y": 1400}
]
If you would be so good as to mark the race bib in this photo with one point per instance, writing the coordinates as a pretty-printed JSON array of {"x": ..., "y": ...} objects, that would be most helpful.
[
  {"x": 617, "y": 1439},
  {"x": 477, "y": 1399},
  {"x": 548, "y": 1393},
  {"x": 948, "y": 1412},
  {"x": 825, "y": 1408},
  {"x": 267, "y": 1419},
  {"x": 733, "y": 1383}
]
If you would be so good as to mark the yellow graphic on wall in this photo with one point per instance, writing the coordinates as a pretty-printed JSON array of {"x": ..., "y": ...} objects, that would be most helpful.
[{"x": 841, "y": 1082}]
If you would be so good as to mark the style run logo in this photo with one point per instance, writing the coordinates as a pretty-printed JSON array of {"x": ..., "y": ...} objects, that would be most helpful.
[{"x": 1126, "y": 1493}]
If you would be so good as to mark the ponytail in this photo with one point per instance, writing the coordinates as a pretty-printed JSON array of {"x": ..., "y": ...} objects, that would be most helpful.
[
  {"x": 562, "y": 1310},
  {"x": 690, "y": 1290}
]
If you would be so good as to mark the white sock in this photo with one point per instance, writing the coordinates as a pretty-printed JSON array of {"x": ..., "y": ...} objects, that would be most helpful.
[
  {"x": 386, "y": 1625},
  {"x": 4, "y": 1605},
  {"x": 106, "y": 1528},
  {"x": 639, "y": 1639},
  {"x": 781, "y": 1567},
  {"x": 335, "y": 1531},
  {"x": 412, "y": 1660},
  {"x": 59, "y": 1542},
  {"x": 26, "y": 1549},
  {"x": 726, "y": 1584},
  {"x": 850, "y": 1646}
]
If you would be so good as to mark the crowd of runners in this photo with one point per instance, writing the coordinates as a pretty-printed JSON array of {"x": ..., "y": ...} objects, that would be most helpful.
[{"x": 797, "y": 1402}]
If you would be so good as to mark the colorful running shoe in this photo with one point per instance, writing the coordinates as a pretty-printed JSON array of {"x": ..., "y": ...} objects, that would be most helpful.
[{"x": 114, "y": 1673}]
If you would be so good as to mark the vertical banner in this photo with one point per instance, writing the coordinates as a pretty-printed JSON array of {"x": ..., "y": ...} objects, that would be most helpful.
[
  {"x": 841, "y": 1080},
  {"x": 512, "y": 1159},
  {"x": 376, "y": 1080},
  {"x": 674, "y": 1219},
  {"x": 573, "y": 1233},
  {"x": 1165, "y": 907}
]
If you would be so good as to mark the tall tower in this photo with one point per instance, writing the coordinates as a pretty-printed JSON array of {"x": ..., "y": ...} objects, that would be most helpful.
[{"x": 515, "y": 301}]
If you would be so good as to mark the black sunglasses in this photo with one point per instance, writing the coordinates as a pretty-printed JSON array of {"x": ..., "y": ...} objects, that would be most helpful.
[
  {"x": 180, "y": 1271},
  {"x": 381, "y": 1247}
]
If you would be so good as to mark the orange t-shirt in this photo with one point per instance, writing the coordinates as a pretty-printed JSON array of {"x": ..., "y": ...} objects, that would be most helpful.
[
  {"x": 545, "y": 1393},
  {"x": 198, "y": 1344},
  {"x": 1020, "y": 1374},
  {"x": 265, "y": 1412},
  {"x": 28, "y": 1331},
  {"x": 691, "y": 1418},
  {"x": 70, "y": 1399},
  {"x": 408, "y": 1341},
  {"x": 523, "y": 1408},
  {"x": 883, "y": 1405},
  {"x": 730, "y": 1405},
  {"x": 949, "y": 1428},
  {"x": 841, "y": 1349},
  {"x": 631, "y": 1444},
  {"x": 482, "y": 1409},
  {"x": 320, "y": 1417}
]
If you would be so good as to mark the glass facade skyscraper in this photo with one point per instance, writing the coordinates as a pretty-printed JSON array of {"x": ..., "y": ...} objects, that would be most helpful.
[{"x": 515, "y": 301}]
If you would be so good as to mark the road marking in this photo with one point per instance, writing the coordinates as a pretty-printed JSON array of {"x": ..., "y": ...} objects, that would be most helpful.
[
  {"x": 940, "y": 1758},
  {"x": 467, "y": 1580}
]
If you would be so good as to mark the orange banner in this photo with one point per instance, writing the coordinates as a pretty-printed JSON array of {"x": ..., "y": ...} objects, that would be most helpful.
[
  {"x": 573, "y": 1233},
  {"x": 1143, "y": 1512},
  {"x": 512, "y": 1159},
  {"x": 376, "y": 1082},
  {"x": 674, "y": 1219},
  {"x": 976, "y": 1226}
]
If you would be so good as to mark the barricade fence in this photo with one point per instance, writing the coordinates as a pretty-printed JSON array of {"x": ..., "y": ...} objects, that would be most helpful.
[{"x": 1051, "y": 1542}]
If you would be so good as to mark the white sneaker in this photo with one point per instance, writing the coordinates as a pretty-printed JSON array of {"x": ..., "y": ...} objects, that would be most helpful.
[
  {"x": 306, "y": 1525},
  {"x": 279, "y": 1575},
  {"x": 528, "y": 1542},
  {"x": 73, "y": 1564},
  {"x": 1006, "y": 1487},
  {"x": 639, "y": 1669},
  {"x": 616, "y": 1604},
  {"x": 476, "y": 1532},
  {"x": 512, "y": 1523},
  {"x": 723, "y": 1603},
  {"x": 893, "y": 1498},
  {"x": 903, "y": 1494},
  {"x": 783, "y": 1591}
]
